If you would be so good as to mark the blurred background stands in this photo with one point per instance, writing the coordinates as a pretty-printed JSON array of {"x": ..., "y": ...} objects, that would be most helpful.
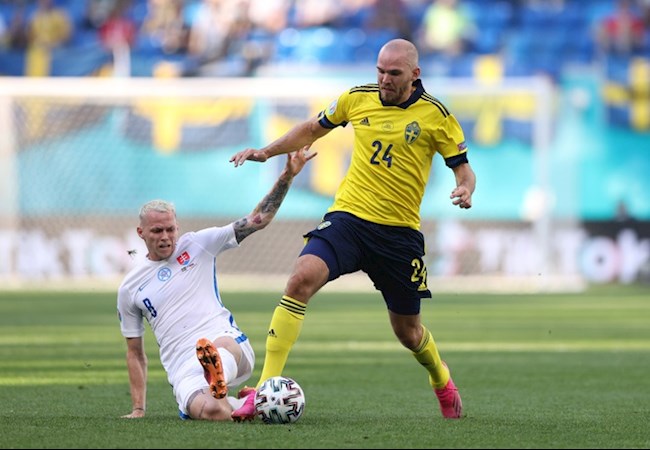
[{"x": 275, "y": 37}]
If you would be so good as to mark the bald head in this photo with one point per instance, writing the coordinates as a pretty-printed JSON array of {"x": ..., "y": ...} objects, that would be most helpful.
[{"x": 400, "y": 50}]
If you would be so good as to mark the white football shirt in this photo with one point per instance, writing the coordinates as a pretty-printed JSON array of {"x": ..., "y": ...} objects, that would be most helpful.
[{"x": 179, "y": 297}]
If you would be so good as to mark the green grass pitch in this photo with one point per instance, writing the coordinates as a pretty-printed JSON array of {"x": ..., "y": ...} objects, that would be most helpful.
[{"x": 534, "y": 371}]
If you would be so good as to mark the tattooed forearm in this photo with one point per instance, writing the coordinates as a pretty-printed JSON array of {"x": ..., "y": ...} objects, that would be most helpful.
[
  {"x": 243, "y": 233},
  {"x": 271, "y": 203},
  {"x": 243, "y": 229},
  {"x": 264, "y": 211}
]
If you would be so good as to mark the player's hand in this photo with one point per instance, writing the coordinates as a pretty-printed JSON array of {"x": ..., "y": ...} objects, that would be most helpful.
[
  {"x": 297, "y": 160},
  {"x": 251, "y": 154},
  {"x": 135, "y": 414},
  {"x": 461, "y": 197}
]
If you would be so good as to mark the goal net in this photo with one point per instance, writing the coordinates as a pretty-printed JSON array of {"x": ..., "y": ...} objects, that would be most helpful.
[{"x": 78, "y": 157}]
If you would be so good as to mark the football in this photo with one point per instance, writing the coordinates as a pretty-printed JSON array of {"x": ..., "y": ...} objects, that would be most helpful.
[{"x": 279, "y": 400}]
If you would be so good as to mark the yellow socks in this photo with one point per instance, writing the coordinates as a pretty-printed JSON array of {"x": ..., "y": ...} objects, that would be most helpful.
[
  {"x": 284, "y": 330},
  {"x": 427, "y": 355}
]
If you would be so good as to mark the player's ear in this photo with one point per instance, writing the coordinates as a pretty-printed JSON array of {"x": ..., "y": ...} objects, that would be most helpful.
[{"x": 140, "y": 232}]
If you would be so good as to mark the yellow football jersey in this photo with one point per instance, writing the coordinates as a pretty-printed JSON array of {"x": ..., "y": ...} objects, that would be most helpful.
[{"x": 394, "y": 147}]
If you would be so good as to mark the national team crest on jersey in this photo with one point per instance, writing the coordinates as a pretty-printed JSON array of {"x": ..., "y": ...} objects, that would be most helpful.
[
  {"x": 412, "y": 132},
  {"x": 164, "y": 274},
  {"x": 183, "y": 259}
]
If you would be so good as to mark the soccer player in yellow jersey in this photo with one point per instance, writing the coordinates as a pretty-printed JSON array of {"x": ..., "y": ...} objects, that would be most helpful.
[{"x": 373, "y": 224}]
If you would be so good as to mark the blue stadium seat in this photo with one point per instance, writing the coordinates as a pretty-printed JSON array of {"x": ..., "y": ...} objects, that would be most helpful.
[
  {"x": 490, "y": 40},
  {"x": 374, "y": 41},
  {"x": 12, "y": 63},
  {"x": 78, "y": 61},
  {"x": 461, "y": 66},
  {"x": 315, "y": 45}
]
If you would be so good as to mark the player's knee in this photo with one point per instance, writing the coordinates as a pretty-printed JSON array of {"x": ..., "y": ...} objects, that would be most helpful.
[
  {"x": 408, "y": 341},
  {"x": 302, "y": 285},
  {"x": 230, "y": 345},
  {"x": 409, "y": 337}
]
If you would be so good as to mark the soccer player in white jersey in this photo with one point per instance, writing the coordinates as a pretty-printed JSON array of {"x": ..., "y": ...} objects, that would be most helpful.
[{"x": 175, "y": 289}]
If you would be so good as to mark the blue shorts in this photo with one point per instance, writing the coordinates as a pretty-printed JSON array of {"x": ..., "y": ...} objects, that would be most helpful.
[{"x": 391, "y": 256}]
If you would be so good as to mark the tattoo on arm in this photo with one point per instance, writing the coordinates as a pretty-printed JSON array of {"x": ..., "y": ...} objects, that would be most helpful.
[
  {"x": 263, "y": 212},
  {"x": 241, "y": 229},
  {"x": 271, "y": 203}
]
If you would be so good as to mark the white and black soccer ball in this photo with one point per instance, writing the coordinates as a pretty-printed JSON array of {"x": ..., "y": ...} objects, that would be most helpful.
[{"x": 279, "y": 400}]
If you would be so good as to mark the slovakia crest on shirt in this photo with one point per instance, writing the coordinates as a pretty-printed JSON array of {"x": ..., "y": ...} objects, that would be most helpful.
[
  {"x": 183, "y": 259},
  {"x": 412, "y": 132}
]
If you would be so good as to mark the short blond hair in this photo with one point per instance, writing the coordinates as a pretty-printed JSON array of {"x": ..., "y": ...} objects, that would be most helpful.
[{"x": 157, "y": 205}]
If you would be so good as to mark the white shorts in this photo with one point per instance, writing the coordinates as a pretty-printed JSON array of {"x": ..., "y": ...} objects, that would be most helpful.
[{"x": 190, "y": 378}]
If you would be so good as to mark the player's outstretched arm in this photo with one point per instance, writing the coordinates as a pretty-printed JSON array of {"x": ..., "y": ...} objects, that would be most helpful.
[
  {"x": 264, "y": 212},
  {"x": 298, "y": 137},
  {"x": 136, "y": 362}
]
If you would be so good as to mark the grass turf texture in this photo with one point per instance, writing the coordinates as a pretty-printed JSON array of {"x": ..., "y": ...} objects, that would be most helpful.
[{"x": 534, "y": 371}]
